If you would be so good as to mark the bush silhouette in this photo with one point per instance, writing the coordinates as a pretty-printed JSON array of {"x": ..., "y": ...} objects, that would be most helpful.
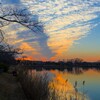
[{"x": 4, "y": 67}]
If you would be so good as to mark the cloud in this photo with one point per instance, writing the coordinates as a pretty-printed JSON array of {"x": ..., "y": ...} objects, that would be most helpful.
[{"x": 64, "y": 22}]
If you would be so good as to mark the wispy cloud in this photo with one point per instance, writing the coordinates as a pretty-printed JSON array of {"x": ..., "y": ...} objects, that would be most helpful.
[{"x": 64, "y": 22}]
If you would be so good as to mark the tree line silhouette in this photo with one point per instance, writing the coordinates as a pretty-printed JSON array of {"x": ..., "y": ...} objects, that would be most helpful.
[
  {"x": 72, "y": 64},
  {"x": 10, "y": 15}
]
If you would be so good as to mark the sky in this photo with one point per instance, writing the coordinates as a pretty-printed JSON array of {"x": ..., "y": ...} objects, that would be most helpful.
[{"x": 71, "y": 29}]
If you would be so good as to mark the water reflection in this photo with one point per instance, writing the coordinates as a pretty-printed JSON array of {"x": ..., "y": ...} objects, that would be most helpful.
[
  {"x": 91, "y": 76},
  {"x": 78, "y": 84},
  {"x": 63, "y": 89},
  {"x": 88, "y": 81},
  {"x": 92, "y": 79},
  {"x": 79, "y": 70}
]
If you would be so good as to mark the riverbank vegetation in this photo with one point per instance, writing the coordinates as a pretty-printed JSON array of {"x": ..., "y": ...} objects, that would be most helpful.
[
  {"x": 10, "y": 88},
  {"x": 47, "y": 85}
]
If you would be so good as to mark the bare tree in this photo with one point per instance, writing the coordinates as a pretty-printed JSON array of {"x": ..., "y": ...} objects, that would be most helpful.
[
  {"x": 1, "y": 35},
  {"x": 18, "y": 15},
  {"x": 12, "y": 14}
]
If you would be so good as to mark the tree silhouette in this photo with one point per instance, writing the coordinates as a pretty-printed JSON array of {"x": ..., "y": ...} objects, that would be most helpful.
[{"x": 12, "y": 14}]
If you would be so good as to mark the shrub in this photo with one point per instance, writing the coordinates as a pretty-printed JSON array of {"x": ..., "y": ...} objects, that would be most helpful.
[{"x": 4, "y": 67}]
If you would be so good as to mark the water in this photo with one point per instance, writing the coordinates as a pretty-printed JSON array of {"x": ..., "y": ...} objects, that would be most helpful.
[
  {"x": 92, "y": 82},
  {"x": 90, "y": 76}
]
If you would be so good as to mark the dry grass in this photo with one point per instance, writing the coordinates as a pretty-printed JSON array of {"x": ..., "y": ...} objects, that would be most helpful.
[
  {"x": 10, "y": 89},
  {"x": 37, "y": 87}
]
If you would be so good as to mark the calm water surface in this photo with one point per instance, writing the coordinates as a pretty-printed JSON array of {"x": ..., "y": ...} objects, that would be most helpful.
[{"x": 92, "y": 82}]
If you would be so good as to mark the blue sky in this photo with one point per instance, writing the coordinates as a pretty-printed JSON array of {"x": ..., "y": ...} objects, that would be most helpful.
[
  {"x": 71, "y": 29},
  {"x": 87, "y": 46}
]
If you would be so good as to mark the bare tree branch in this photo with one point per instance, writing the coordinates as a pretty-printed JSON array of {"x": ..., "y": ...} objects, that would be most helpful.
[
  {"x": 20, "y": 16},
  {"x": 1, "y": 36}
]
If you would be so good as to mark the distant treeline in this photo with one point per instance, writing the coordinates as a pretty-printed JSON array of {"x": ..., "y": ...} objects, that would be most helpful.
[{"x": 60, "y": 65}]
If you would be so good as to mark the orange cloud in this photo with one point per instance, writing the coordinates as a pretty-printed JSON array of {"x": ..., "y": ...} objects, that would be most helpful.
[
  {"x": 26, "y": 58},
  {"x": 25, "y": 46}
]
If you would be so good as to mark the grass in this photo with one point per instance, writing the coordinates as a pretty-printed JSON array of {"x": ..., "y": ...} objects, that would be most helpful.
[
  {"x": 10, "y": 88},
  {"x": 37, "y": 87}
]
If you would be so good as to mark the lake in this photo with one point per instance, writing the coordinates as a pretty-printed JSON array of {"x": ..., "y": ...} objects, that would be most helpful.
[
  {"x": 92, "y": 82},
  {"x": 90, "y": 77}
]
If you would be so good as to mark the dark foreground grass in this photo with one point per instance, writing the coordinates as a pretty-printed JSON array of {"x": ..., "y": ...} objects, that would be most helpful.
[
  {"x": 38, "y": 85},
  {"x": 10, "y": 88}
]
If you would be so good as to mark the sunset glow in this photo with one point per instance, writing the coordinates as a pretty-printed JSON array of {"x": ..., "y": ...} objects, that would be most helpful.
[{"x": 69, "y": 29}]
